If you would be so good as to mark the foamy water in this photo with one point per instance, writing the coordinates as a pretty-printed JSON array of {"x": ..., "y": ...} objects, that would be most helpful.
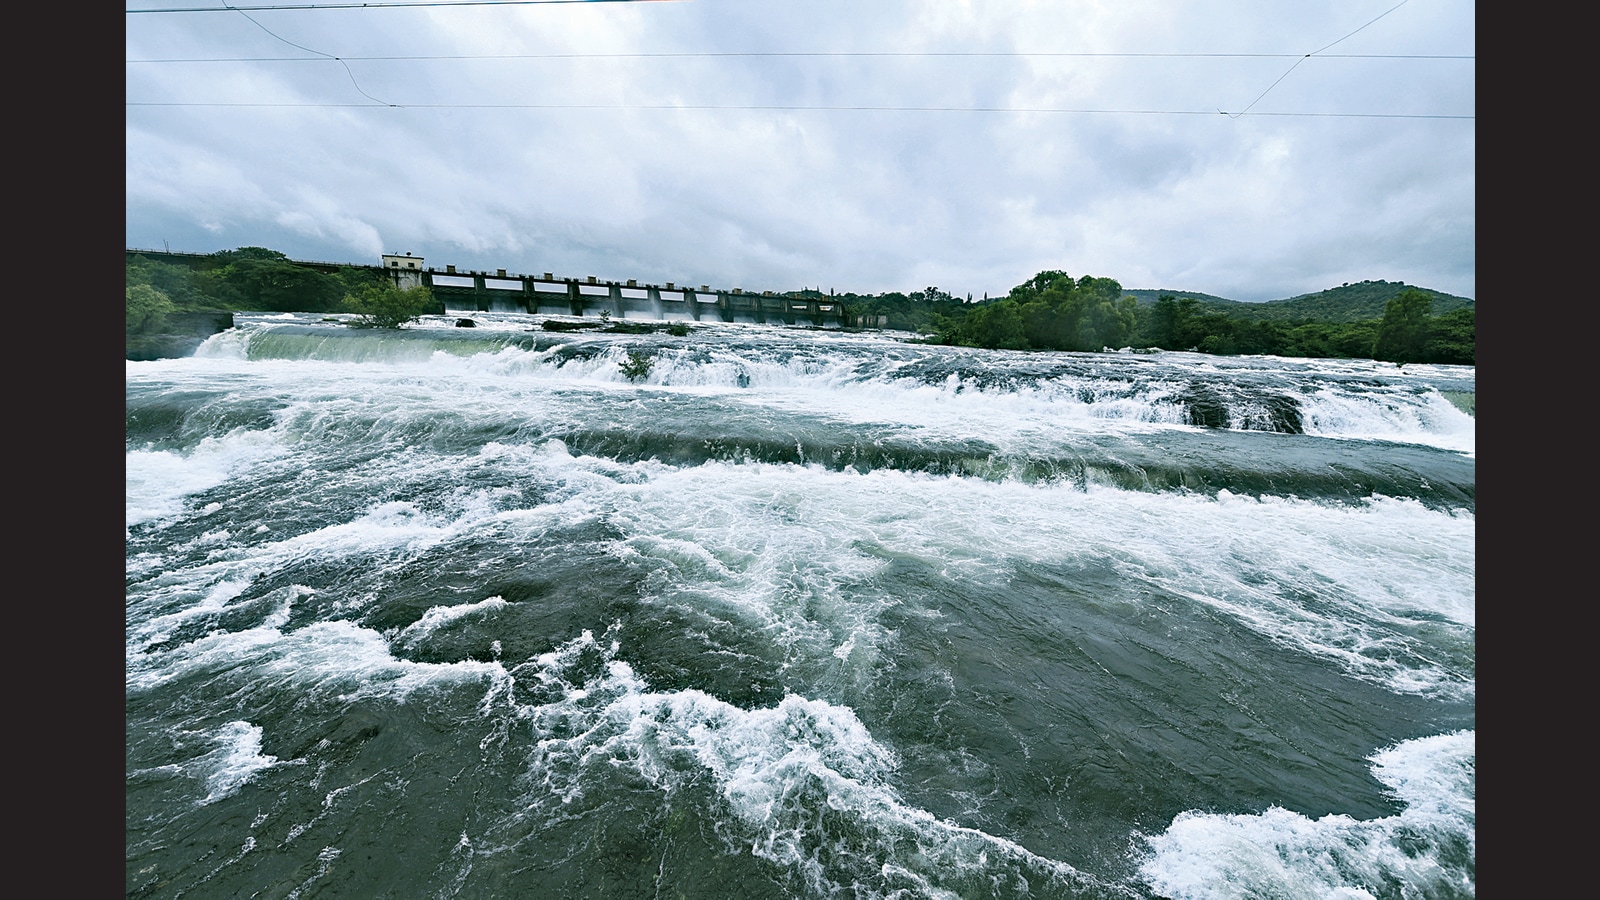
[
  {"x": 875, "y": 619},
  {"x": 1417, "y": 853}
]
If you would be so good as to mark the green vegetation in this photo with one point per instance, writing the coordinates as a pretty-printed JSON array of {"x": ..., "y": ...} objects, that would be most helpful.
[
  {"x": 383, "y": 305},
  {"x": 1052, "y": 311},
  {"x": 258, "y": 279},
  {"x": 1403, "y": 332},
  {"x": 637, "y": 365},
  {"x": 1355, "y": 302},
  {"x": 1049, "y": 311},
  {"x": 249, "y": 278},
  {"x": 1147, "y": 297},
  {"x": 917, "y": 311},
  {"x": 1452, "y": 337},
  {"x": 147, "y": 306}
]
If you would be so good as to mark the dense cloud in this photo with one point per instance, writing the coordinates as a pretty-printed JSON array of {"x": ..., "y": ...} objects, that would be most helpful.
[{"x": 613, "y": 166}]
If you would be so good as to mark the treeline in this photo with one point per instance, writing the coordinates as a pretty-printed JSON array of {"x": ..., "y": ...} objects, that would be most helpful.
[
  {"x": 916, "y": 311},
  {"x": 1053, "y": 311},
  {"x": 249, "y": 278},
  {"x": 261, "y": 280},
  {"x": 1407, "y": 332},
  {"x": 1350, "y": 302},
  {"x": 1050, "y": 311}
]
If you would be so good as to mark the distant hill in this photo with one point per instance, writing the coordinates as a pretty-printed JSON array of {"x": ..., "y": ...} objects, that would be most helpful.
[
  {"x": 1149, "y": 297},
  {"x": 1347, "y": 303},
  {"x": 1354, "y": 302}
]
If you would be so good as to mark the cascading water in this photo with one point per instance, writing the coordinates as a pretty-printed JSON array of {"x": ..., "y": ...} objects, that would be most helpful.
[{"x": 458, "y": 612}]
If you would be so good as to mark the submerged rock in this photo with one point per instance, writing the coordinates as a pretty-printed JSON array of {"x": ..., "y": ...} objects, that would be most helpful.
[{"x": 1205, "y": 407}]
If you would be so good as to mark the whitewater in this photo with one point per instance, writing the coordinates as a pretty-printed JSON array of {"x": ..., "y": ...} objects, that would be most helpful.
[{"x": 466, "y": 612}]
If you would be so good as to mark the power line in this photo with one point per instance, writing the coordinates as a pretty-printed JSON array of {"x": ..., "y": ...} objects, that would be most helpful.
[
  {"x": 786, "y": 108},
  {"x": 341, "y": 62},
  {"x": 747, "y": 54},
  {"x": 398, "y": 3},
  {"x": 820, "y": 54},
  {"x": 1314, "y": 53}
]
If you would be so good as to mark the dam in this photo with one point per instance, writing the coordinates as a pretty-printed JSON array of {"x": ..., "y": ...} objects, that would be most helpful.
[
  {"x": 471, "y": 291},
  {"x": 502, "y": 292}
]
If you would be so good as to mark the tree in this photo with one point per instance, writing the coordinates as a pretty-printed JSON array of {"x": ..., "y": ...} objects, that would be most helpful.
[
  {"x": 1100, "y": 290},
  {"x": 1111, "y": 324},
  {"x": 180, "y": 284},
  {"x": 280, "y": 285},
  {"x": 1403, "y": 332},
  {"x": 1161, "y": 325},
  {"x": 993, "y": 325},
  {"x": 1038, "y": 284},
  {"x": 1175, "y": 324},
  {"x": 637, "y": 365},
  {"x": 146, "y": 307},
  {"x": 258, "y": 253},
  {"x": 386, "y": 306},
  {"x": 1453, "y": 338}
]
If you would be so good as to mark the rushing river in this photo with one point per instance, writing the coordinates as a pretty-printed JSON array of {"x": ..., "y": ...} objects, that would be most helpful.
[{"x": 451, "y": 612}]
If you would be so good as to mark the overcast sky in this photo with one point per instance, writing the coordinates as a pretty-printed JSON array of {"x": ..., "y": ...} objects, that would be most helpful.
[{"x": 783, "y": 144}]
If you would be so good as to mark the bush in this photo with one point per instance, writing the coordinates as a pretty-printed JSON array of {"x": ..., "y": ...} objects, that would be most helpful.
[
  {"x": 386, "y": 306},
  {"x": 1403, "y": 332},
  {"x": 146, "y": 307},
  {"x": 637, "y": 365},
  {"x": 185, "y": 287}
]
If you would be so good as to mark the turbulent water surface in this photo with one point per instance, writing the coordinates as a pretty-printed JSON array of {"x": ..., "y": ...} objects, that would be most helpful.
[{"x": 453, "y": 612}]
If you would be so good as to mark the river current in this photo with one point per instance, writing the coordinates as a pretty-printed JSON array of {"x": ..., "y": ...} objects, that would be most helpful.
[{"x": 465, "y": 612}]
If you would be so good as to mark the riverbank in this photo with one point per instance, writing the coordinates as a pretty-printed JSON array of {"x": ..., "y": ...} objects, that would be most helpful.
[{"x": 177, "y": 335}]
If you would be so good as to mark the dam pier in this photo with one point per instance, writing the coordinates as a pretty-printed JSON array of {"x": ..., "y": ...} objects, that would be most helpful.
[
  {"x": 481, "y": 292},
  {"x": 472, "y": 291},
  {"x": 475, "y": 291}
]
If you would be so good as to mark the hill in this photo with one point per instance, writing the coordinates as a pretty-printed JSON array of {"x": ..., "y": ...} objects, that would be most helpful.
[
  {"x": 1354, "y": 302},
  {"x": 1148, "y": 297}
]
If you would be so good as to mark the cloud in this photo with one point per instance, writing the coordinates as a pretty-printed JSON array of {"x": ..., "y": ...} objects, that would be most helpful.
[{"x": 703, "y": 149}]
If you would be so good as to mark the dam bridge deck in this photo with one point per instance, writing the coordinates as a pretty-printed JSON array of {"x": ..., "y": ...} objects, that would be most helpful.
[{"x": 481, "y": 292}]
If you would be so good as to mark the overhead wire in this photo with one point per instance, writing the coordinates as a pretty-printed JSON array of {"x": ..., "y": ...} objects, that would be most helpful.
[
  {"x": 757, "y": 54},
  {"x": 694, "y": 107},
  {"x": 341, "y": 62},
  {"x": 695, "y": 54},
  {"x": 1308, "y": 56},
  {"x": 381, "y": 5}
]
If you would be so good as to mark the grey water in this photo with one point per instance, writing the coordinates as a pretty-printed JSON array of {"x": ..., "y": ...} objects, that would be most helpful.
[{"x": 452, "y": 612}]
